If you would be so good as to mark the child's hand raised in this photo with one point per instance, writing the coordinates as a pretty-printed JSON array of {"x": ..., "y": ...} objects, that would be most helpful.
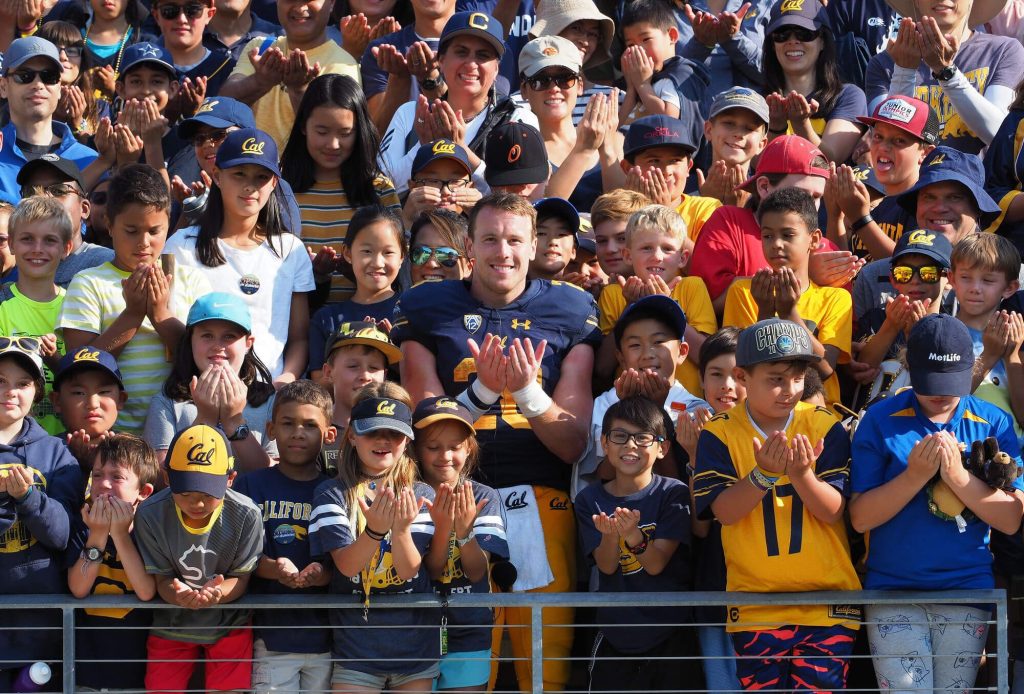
[
  {"x": 103, "y": 141},
  {"x": 48, "y": 345},
  {"x": 688, "y": 428},
  {"x": 466, "y": 509},
  {"x": 1016, "y": 337},
  {"x": 135, "y": 289},
  {"x": 380, "y": 515},
  {"x": 186, "y": 596},
  {"x": 762, "y": 290},
  {"x": 121, "y": 514},
  {"x": 287, "y": 572},
  {"x": 210, "y": 593},
  {"x": 605, "y": 524},
  {"x": 407, "y": 507},
  {"x": 773, "y": 455},
  {"x": 951, "y": 466},
  {"x": 924, "y": 459},
  {"x": 632, "y": 288},
  {"x": 787, "y": 292},
  {"x": 158, "y": 297},
  {"x": 654, "y": 386},
  {"x": 310, "y": 575},
  {"x": 232, "y": 395},
  {"x": 627, "y": 522},
  {"x": 803, "y": 456},
  {"x": 104, "y": 79},
  {"x": 127, "y": 145},
  {"x": 658, "y": 187},
  {"x": 996, "y": 335},
  {"x": 442, "y": 510},
  {"x": 897, "y": 311},
  {"x": 627, "y": 384},
  {"x": 206, "y": 391},
  {"x": 96, "y": 515}
]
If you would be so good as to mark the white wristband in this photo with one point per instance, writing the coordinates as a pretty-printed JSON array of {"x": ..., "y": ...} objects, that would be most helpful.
[
  {"x": 478, "y": 398},
  {"x": 532, "y": 400}
]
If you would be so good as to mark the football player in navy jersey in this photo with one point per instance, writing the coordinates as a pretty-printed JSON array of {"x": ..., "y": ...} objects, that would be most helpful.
[{"x": 519, "y": 354}]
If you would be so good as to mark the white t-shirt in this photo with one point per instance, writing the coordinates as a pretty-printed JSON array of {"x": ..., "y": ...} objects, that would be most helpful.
[{"x": 265, "y": 277}]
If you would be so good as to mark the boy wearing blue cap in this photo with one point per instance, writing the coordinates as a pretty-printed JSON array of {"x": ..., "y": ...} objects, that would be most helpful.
[
  {"x": 146, "y": 85},
  {"x": 88, "y": 394},
  {"x": 558, "y": 228},
  {"x": 202, "y": 541},
  {"x": 441, "y": 178},
  {"x": 781, "y": 503}
]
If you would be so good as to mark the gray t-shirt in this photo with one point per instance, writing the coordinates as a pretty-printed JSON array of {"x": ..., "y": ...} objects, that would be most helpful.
[
  {"x": 230, "y": 546},
  {"x": 86, "y": 256},
  {"x": 167, "y": 417}
]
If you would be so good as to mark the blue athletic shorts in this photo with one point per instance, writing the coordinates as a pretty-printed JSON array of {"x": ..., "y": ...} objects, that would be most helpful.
[{"x": 465, "y": 669}]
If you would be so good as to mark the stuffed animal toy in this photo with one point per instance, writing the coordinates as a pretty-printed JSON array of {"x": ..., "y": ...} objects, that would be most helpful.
[{"x": 985, "y": 461}]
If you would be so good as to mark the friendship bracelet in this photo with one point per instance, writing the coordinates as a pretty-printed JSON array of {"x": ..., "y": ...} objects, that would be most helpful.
[
  {"x": 761, "y": 481},
  {"x": 373, "y": 534}
]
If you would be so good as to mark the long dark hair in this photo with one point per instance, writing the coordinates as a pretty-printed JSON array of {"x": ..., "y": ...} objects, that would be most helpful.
[
  {"x": 360, "y": 172},
  {"x": 253, "y": 373},
  {"x": 827, "y": 82},
  {"x": 270, "y": 221}
]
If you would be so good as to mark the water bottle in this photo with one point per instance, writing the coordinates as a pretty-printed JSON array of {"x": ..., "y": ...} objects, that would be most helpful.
[{"x": 32, "y": 678}]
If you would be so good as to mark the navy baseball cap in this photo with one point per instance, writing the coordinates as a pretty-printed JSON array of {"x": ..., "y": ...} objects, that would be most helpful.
[
  {"x": 439, "y": 409},
  {"x": 220, "y": 306},
  {"x": 217, "y": 112},
  {"x": 774, "y": 339},
  {"x": 248, "y": 146},
  {"x": 658, "y": 131},
  {"x": 372, "y": 414},
  {"x": 84, "y": 359},
  {"x": 22, "y": 50},
  {"x": 585, "y": 239},
  {"x": 740, "y": 97},
  {"x": 474, "y": 24},
  {"x": 948, "y": 164},
  {"x": 561, "y": 208},
  {"x": 440, "y": 149},
  {"x": 515, "y": 155},
  {"x": 940, "y": 356},
  {"x": 67, "y": 169},
  {"x": 923, "y": 242},
  {"x": 807, "y": 14},
  {"x": 657, "y": 306},
  {"x": 140, "y": 53},
  {"x": 866, "y": 175}
]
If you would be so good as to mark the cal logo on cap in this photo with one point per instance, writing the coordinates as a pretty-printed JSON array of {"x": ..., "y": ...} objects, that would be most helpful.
[
  {"x": 443, "y": 147},
  {"x": 861, "y": 174},
  {"x": 791, "y": 6},
  {"x": 937, "y": 160},
  {"x": 921, "y": 237},
  {"x": 447, "y": 404},
  {"x": 85, "y": 354},
  {"x": 253, "y": 146},
  {"x": 478, "y": 20},
  {"x": 207, "y": 106},
  {"x": 897, "y": 110},
  {"x": 386, "y": 408},
  {"x": 200, "y": 455}
]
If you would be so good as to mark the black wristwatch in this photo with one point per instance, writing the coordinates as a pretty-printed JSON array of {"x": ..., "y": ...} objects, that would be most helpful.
[
  {"x": 241, "y": 433},
  {"x": 91, "y": 554},
  {"x": 945, "y": 74}
]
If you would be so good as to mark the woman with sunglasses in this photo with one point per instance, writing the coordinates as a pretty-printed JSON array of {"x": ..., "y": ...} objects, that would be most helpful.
[
  {"x": 437, "y": 244},
  {"x": 804, "y": 91},
  {"x": 78, "y": 105}
]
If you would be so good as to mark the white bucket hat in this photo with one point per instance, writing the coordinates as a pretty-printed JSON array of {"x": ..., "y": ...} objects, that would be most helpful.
[{"x": 554, "y": 16}]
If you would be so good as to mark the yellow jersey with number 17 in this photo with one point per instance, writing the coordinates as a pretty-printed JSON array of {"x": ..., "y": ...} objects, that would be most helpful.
[{"x": 779, "y": 547}]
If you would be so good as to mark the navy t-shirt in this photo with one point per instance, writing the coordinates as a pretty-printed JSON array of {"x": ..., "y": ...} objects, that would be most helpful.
[
  {"x": 891, "y": 218},
  {"x": 286, "y": 505}
]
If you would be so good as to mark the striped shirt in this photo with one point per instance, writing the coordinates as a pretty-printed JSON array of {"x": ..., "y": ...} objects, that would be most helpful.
[
  {"x": 92, "y": 304},
  {"x": 326, "y": 213}
]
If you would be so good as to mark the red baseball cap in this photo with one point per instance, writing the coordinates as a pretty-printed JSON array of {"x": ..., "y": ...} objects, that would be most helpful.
[
  {"x": 789, "y": 154},
  {"x": 910, "y": 115}
]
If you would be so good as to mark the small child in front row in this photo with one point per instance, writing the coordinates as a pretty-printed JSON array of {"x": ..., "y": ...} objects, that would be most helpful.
[
  {"x": 292, "y": 648},
  {"x": 780, "y": 502},
  {"x": 636, "y": 529},
  {"x": 468, "y": 529},
  {"x": 202, "y": 541},
  {"x": 104, "y": 560},
  {"x": 40, "y": 486},
  {"x": 370, "y": 522}
]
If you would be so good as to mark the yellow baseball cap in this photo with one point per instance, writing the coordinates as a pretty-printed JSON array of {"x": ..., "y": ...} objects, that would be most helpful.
[{"x": 199, "y": 460}]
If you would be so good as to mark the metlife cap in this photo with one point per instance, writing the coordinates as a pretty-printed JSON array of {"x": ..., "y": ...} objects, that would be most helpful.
[{"x": 940, "y": 356}]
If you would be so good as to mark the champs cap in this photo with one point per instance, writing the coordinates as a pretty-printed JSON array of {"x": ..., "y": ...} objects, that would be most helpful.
[
  {"x": 549, "y": 51},
  {"x": 248, "y": 146},
  {"x": 217, "y": 112},
  {"x": 808, "y": 14},
  {"x": 790, "y": 154},
  {"x": 923, "y": 242},
  {"x": 948, "y": 164},
  {"x": 563, "y": 209},
  {"x": 26, "y": 350},
  {"x": 657, "y": 306},
  {"x": 774, "y": 339},
  {"x": 910, "y": 115},
  {"x": 87, "y": 358},
  {"x": 220, "y": 306},
  {"x": 940, "y": 356},
  {"x": 439, "y": 409},
  {"x": 67, "y": 169},
  {"x": 372, "y": 414},
  {"x": 474, "y": 24},
  {"x": 515, "y": 155},
  {"x": 440, "y": 149},
  {"x": 140, "y": 53},
  {"x": 363, "y": 333},
  {"x": 199, "y": 460},
  {"x": 740, "y": 97},
  {"x": 23, "y": 50},
  {"x": 658, "y": 131}
]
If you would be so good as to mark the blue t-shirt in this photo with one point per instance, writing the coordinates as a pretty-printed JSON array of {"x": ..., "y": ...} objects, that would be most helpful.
[
  {"x": 286, "y": 505},
  {"x": 376, "y": 651},
  {"x": 664, "y": 507},
  {"x": 327, "y": 319},
  {"x": 916, "y": 550},
  {"x": 489, "y": 531}
]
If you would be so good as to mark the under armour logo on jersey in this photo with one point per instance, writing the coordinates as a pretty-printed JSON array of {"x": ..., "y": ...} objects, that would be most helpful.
[{"x": 524, "y": 324}]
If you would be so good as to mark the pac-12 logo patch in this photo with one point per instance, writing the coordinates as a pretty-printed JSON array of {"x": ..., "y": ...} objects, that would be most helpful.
[{"x": 472, "y": 321}]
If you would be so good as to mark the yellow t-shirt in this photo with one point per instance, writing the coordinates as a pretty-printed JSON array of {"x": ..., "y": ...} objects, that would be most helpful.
[
  {"x": 827, "y": 313},
  {"x": 695, "y": 210},
  {"x": 692, "y": 296},
  {"x": 273, "y": 111},
  {"x": 779, "y": 546}
]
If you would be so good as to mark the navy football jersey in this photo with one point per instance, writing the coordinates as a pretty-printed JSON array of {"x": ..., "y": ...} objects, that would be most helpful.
[{"x": 443, "y": 315}]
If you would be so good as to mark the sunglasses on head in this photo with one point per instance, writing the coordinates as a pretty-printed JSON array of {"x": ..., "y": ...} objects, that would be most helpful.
[
  {"x": 191, "y": 11},
  {"x": 445, "y": 256},
  {"x": 26, "y": 75},
  {"x": 541, "y": 83},
  {"x": 28, "y": 345},
  {"x": 929, "y": 274},
  {"x": 801, "y": 34}
]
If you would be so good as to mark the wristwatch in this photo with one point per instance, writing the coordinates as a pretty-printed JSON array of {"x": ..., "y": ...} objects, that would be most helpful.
[
  {"x": 945, "y": 74},
  {"x": 91, "y": 554},
  {"x": 241, "y": 433},
  {"x": 462, "y": 542}
]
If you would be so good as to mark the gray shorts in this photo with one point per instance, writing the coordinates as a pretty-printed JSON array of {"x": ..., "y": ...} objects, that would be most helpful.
[{"x": 343, "y": 676}]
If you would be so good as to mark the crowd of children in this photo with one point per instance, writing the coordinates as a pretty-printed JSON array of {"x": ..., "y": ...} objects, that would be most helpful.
[{"x": 652, "y": 297}]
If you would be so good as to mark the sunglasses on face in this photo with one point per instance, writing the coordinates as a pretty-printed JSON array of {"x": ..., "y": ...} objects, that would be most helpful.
[
  {"x": 542, "y": 83},
  {"x": 26, "y": 76},
  {"x": 445, "y": 256},
  {"x": 215, "y": 137},
  {"x": 929, "y": 274},
  {"x": 801, "y": 34},
  {"x": 71, "y": 51},
  {"x": 54, "y": 190},
  {"x": 191, "y": 11},
  {"x": 28, "y": 345},
  {"x": 642, "y": 439}
]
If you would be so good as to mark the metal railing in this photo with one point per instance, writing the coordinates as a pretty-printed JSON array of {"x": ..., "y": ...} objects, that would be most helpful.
[{"x": 537, "y": 602}]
